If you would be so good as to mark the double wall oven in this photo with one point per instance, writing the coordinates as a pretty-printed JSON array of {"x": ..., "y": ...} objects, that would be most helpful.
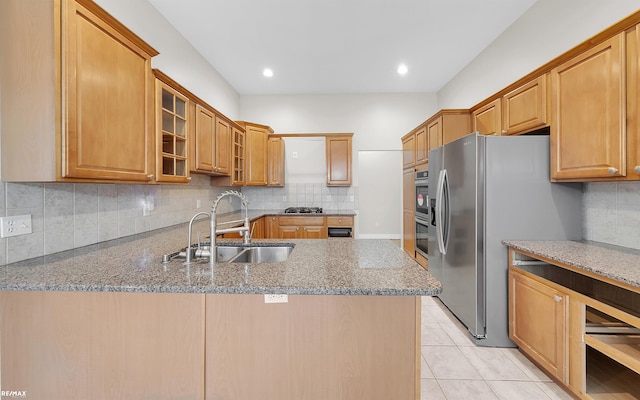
[{"x": 423, "y": 212}]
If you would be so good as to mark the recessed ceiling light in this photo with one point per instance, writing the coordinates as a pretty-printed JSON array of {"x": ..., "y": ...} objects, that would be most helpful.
[
  {"x": 268, "y": 72},
  {"x": 402, "y": 69}
]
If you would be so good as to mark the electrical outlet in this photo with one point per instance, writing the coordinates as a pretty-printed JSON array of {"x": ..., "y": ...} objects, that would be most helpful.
[
  {"x": 198, "y": 203},
  {"x": 276, "y": 298},
  {"x": 15, "y": 225}
]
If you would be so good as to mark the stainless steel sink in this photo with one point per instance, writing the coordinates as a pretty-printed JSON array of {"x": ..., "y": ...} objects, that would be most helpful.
[
  {"x": 253, "y": 253},
  {"x": 261, "y": 254}
]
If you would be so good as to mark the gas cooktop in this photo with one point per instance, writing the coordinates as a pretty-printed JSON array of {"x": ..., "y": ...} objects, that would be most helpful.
[{"x": 303, "y": 210}]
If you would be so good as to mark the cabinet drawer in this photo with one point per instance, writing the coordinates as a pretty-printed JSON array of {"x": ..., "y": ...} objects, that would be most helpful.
[
  {"x": 339, "y": 221},
  {"x": 307, "y": 221}
]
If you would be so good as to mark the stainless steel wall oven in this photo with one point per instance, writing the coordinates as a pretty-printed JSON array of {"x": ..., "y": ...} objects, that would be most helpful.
[{"x": 423, "y": 212}]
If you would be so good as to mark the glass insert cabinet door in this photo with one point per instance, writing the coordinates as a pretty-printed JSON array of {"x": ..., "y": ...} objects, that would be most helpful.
[{"x": 172, "y": 122}]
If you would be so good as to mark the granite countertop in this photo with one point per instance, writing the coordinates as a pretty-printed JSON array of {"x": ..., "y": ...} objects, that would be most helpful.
[
  {"x": 253, "y": 214},
  {"x": 614, "y": 262},
  {"x": 336, "y": 266}
]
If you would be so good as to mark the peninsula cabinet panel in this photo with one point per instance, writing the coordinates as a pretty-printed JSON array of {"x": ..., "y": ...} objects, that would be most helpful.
[
  {"x": 487, "y": 120},
  {"x": 99, "y": 345},
  {"x": 538, "y": 323},
  {"x": 525, "y": 108},
  {"x": 588, "y": 127},
  {"x": 78, "y": 94},
  {"x": 312, "y": 347}
]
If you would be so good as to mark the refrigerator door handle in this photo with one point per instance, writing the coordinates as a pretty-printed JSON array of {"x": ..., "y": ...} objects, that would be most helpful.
[{"x": 440, "y": 189}]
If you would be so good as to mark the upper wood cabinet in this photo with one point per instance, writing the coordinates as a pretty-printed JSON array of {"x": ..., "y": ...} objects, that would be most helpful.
[
  {"x": 238, "y": 157},
  {"x": 422, "y": 145},
  {"x": 409, "y": 150},
  {"x": 338, "y": 160},
  {"x": 487, "y": 119},
  {"x": 276, "y": 158},
  {"x": 77, "y": 90},
  {"x": 256, "y": 158},
  {"x": 526, "y": 108},
  {"x": 588, "y": 121},
  {"x": 212, "y": 143},
  {"x": 447, "y": 126},
  {"x": 633, "y": 103},
  {"x": 172, "y": 126}
]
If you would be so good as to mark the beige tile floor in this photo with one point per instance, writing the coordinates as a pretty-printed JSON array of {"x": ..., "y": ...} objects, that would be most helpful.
[{"x": 454, "y": 368}]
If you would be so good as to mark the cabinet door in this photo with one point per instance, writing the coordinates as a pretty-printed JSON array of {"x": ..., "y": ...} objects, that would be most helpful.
[
  {"x": 409, "y": 232},
  {"x": 257, "y": 228},
  {"x": 408, "y": 190},
  {"x": 487, "y": 119},
  {"x": 525, "y": 108},
  {"x": 409, "y": 151},
  {"x": 172, "y": 126},
  {"x": 276, "y": 161},
  {"x": 338, "y": 160},
  {"x": 587, "y": 114},
  {"x": 538, "y": 318},
  {"x": 271, "y": 227},
  {"x": 238, "y": 144},
  {"x": 109, "y": 93},
  {"x": 290, "y": 232},
  {"x": 222, "y": 147},
  {"x": 314, "y": 232},
  {"x": 435, "y": 133},
  {"x": 204, "y": 139},
  {"x": 98, "y": 345},
  {"x": 422, "y": 146},
  {"x": 256, "y": 151},
  {"x": 633, "y": 104}
]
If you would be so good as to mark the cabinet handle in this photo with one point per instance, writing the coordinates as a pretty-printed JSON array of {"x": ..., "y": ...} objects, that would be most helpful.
[
  {"x": 612, "y": 170},
  {"x": 150, "y": 176},
  {"x": 504, "y": 132},
  {"x": 188, "y": 179},
  {"x": 637, "y": 169},
  {"x": 557, "y": 298}
]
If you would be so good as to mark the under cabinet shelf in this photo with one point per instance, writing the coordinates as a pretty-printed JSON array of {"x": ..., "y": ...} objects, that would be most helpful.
[
  {"x": 607, "y": 379},
  {"x": 624, "y": 349}
]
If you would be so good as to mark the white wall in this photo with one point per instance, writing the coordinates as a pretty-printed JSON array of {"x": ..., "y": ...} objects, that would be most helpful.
[
  {"x": 177, "y": 58},
  {"x": 546, "y": 30},
  {"x": 378, "y": 121}
]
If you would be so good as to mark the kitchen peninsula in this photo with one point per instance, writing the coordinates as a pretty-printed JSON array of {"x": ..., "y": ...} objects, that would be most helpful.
[{"x": 112, "y": 321}]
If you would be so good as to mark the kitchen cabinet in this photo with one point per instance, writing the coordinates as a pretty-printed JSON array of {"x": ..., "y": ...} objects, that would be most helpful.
[
  {"x": 338, "y": 148},
  {"x": 588, "y": 122},
  {"x": 212, "y": 138},
  {"x": 237, "y": 176},
  {"x": 103, "y": 345},
  {"x": 256, "y": 158},
  {"x": 77, "y": 92},
  {"x": 580, "y": 327},
  {"x": 257, "y": 228},
  {"x": 408, "y": 212},
  {"x": 448, "y": 125},
  {"x": 172, "y": 125},
  {"x": 409, "y": 150},
  {"x": 271, "y": 227},
  {"x": 526, "y": 107},
  {"x": 422, "y": 145},
  {"x": 538, "y": 322},
  {"x": 487, "y": 119},
  {"x": 276, "y": 157},
  {"x": 298, "y": 227}
]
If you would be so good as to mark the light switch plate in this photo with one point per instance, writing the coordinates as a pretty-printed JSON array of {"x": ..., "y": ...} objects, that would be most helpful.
[
  {"x": 15, "y": 225},
  {"x": 276, "y": 298}
]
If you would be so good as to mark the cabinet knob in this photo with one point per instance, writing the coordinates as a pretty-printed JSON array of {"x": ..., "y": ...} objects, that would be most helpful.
[
  {"x": 150, "y": 176},
  {"x": 504, "y": 132},
  {"x": 188, "y": 179},
  {"x": 557, "y": 298},
  {"x": 637, "y": 169},
  {"x": 612, "y": 170}
]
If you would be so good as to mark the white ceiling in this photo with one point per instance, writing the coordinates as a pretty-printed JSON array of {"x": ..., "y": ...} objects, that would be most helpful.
[{"x": 340, "y": 46}]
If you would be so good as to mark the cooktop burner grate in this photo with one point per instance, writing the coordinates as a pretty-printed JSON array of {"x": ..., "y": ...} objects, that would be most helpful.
[{"x": 303, "y": 210}]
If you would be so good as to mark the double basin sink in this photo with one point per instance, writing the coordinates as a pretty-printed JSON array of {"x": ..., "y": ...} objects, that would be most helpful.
[{"x": 254, "y": 253}]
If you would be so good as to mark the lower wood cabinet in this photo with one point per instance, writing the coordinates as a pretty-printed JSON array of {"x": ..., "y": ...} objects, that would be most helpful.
[
  {"x": 302, "y": 228},
  {"x": 538, "y": 321},
  {"x": 99, "y": 345}
]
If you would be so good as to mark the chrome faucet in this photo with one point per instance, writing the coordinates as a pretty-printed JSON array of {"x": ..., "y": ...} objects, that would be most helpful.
[
  {"x": 244, "y": 230},
  {"x": 188, "y": 251}
]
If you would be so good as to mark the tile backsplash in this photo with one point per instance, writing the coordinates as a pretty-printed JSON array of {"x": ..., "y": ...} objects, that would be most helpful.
[
  {"x": 70, "y": 215},
  {"x": 611, "y": 213},
  {"x": 302, "y": 195}
]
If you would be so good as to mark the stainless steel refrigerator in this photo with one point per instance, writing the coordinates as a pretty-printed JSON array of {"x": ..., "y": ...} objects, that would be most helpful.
[{"x": 483, "y": 190}]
